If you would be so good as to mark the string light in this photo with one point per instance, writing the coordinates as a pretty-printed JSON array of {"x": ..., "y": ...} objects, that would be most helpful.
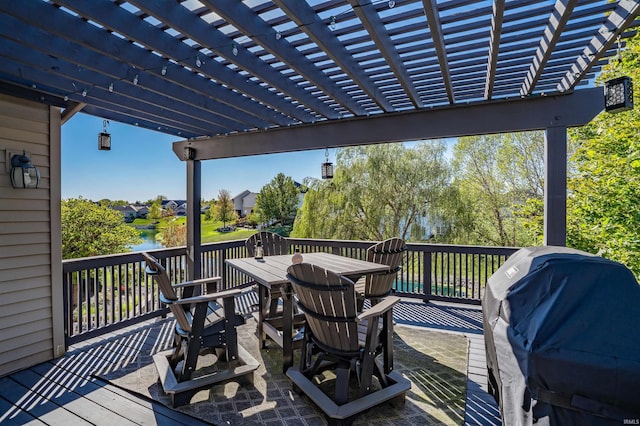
[{"x": 234, "y": 50}]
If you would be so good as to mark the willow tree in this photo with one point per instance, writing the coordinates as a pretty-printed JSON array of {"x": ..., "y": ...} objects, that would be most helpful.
[
  {"x": 498, "y": 189},
  {"x": 604, "y": 190},
  {"x": 378, "y": 192}
]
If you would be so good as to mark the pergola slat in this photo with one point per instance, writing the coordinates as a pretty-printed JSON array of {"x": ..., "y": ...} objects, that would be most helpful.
[
  {"x": 624, "y": 14},
  {"x": 319, "y": 32},
  {"x": 243, "y": 18},
  {"x": 494, "y": 46},
  {"x": 561, "y": 13},
  {"x": 115, "y": 18},
  {"x": 374, "y": 26},
  {"x": 179, "y": 18},
  {"x": 435, "y": 29}
]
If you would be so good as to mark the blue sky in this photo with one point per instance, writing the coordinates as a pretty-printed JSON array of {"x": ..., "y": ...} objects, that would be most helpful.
[{"x": 142, "y": 165}]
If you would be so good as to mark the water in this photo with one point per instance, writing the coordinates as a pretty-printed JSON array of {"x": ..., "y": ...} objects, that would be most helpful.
[{"x": 148, "y": 241}]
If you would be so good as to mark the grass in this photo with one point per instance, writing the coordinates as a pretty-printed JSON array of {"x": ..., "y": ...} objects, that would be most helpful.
[{"x": 209, "y": 233}]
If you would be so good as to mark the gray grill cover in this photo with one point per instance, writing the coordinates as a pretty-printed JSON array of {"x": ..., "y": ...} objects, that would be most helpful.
[{"x": 562, "y": 336}]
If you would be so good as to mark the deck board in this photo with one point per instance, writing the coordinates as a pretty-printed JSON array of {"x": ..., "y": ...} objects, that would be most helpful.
[{"x": 65, "y": 391}]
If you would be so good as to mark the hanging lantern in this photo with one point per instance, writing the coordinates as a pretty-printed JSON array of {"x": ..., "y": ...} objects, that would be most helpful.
[
  {"x": 618, "y": 95},
  {"x": 104, "y": 138},
  {"x": 327, "y": 166},
  {"x": 24, "y": 174}
]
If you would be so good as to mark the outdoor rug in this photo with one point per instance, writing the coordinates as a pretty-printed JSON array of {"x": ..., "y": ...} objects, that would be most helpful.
[{"x": 435, "y": 363}]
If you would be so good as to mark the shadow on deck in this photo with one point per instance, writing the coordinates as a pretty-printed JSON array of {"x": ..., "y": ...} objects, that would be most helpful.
[{"x": 65, "y": 391}]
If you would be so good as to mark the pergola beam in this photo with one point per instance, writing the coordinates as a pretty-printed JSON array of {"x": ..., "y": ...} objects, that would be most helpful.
[
  {"x": 622, "y": 16},
  {"x": 567, "y": 110},
  {"x": 179, "y": 18},
  {"x": 116, "y": 19},
  {"x": 435, "y": 29},
  {"x": 71, "y": 111},
  {"x": 244, "y": 19},
  {"x": 494, "y": 46},
  {"x": 373, "y": 24},
  {"x": 302, "y": 14},
  {"x": 558, "y": 20}
]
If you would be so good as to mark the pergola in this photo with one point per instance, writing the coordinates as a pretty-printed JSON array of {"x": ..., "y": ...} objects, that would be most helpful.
[{"x": 236, "y": 78}]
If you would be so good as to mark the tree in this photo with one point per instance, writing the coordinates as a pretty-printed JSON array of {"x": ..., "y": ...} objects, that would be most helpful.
[
  {"x": 158, "y": 198},
  {"x": 224, "y": 210},
  {"x": 155, "y": 211},
  {"x": 174, "y": 234},
  {"x": 604, "y": 187},
  {"x": 278, "y": 200},
  {"x": 89, "y": 229},
  {"x": 378, "y": 192},
  {"x": 498, "y": 189}
]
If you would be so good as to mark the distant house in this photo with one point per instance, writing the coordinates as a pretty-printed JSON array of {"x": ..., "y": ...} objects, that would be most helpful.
[
  {"x": 142, "y": 210},
  {"x": 244, "y": 202},
  {"x": 128, "y": 212},
  {"x": 179, "y": 207},
  {"x": 132, "y": 211}
]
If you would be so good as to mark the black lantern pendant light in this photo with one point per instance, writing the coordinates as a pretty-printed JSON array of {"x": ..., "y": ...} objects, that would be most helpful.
[
  {"x": 327, "y": 166},
  {"x": 104, "y": 138},
  {"x": 618, "y": 95}
]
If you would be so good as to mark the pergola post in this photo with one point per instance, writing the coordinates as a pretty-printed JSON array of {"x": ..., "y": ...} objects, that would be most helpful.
[
  {"x": 194, "y": 231},
  {"x": 555, "y": 186}
]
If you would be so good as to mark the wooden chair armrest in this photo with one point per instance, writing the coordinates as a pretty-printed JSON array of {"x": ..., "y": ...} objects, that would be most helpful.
[
  {"x": 209, "y": 297},
  {"x": 200, "y": 281},
  {"x": 379, "y": 308}
]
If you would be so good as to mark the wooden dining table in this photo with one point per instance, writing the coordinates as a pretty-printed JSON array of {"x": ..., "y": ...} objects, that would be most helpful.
[{"x": 270, "y": 272}]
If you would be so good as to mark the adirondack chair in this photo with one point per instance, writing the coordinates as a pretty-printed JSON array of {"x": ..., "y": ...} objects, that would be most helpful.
[
  {"x": 377, "y": 286},
  {"x": 337, "y": 338},
  {"x": 272, "y": 245},
  {"x": 204, "y": 323}
]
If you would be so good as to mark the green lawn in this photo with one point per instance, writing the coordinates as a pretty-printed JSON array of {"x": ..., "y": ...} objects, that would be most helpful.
[{"x": 209, "y": 233}]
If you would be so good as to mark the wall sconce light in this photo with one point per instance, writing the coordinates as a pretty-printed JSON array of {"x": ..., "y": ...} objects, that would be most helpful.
[
  {"x": 618, "y": 95},
  {"x": 24, "y": 174},
  {"x": 104, "y": 138},
  {"x": 327, "y": 166}
]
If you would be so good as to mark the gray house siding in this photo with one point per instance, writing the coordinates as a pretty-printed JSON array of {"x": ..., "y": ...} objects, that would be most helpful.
[{"x": 30, "y": 249}]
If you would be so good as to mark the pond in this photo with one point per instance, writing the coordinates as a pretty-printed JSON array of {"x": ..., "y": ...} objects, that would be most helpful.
[{"x": 148, "y": 241}]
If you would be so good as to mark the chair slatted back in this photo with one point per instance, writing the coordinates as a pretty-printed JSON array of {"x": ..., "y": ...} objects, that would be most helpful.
[
  {"x": 388, "y": 252},
  {"x": 329, "y": 304},
  {"x": 272, "y": 244},
  {"x": 155, "y": 269}
]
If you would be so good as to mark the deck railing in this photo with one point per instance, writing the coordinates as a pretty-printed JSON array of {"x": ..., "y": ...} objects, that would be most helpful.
[{"x": 109, "y": 292}]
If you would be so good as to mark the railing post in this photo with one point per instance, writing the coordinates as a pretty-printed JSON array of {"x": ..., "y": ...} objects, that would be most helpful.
[
  {"x": 223, "y": 268},
  {"x": 426, "y": 279}
]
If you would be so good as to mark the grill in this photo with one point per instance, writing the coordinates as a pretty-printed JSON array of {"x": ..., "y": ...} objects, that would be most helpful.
[{"x": 562, "y": 338}]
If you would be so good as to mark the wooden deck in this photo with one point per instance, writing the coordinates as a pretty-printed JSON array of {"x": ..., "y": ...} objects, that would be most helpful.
[{"x": 64, "y": 392}]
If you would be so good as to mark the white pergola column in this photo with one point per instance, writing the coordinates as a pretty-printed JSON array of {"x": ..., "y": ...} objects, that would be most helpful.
[{"x": 555, "y": 186}]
